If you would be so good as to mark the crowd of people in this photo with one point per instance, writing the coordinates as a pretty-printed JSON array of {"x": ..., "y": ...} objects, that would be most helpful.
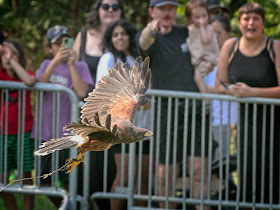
[{"x": 201, "y": 56}]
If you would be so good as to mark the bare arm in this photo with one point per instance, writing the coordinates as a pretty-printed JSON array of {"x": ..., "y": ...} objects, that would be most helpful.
[
  {"x": 77, "y": 45},
  {"x": 206, "y": 33},
  {"x": 79, "y": 86},
  {"x": 24, "y": 76},
  {"x": 62, "y": 53},
  {"x": 222, "y": 68},
  {"x": 146, "y": 39}
]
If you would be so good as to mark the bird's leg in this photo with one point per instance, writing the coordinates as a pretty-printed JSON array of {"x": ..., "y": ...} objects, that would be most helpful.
[{"x": 71, "y": 163}]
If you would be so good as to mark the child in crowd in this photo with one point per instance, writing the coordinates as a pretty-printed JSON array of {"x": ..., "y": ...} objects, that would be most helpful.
[
  {"x": 202, "y": 41},
  {"x": 119, "y": 45},
  {"x": 62, "y": 69},
  {"x": 12, "y": 68}
]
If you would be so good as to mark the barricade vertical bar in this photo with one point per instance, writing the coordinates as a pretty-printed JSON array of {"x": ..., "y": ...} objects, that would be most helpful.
[
  {"x": 86, "y": 180},
  {"x": 19, "y": 143},
  {"x": 55, "y": 154},
  {"x": 202, "y": 186},
  {"x": 151, "y": 152},
  {"x": 140, "y": 156},
  {"x": 168, "y": 134},
  {"x": 39, "y": 137},
  {"x": 220, "y": 155},
  {"x": 36, "y": 144},
  {"x": 22, "y": 132},
  {"x": 254, "y": 154},
  {"x": 57, "y": 119},
  {"x": 6, "y": 137},
  {"x": 192, "y": 147},
  {"x": 130, "y": 199},
  {"x": 175, "y": 139},
  {"x": 228, "y": 140},
  {"x": 105, "y": 171},
  {"x": 263, "y": 151},
  {"x": 271, "y": 155},
  {"x": 122, "y": 164},
  {"x": 158, "y": 131},
  {"x": 185, "y": 149},
  {"x": 245, "y": 154},
  {"x": 73, "y": 153},
  {"x": 2, "y": 137},
  {"x": 238, "y": 157},
  {"x": 210, "y": 137}
]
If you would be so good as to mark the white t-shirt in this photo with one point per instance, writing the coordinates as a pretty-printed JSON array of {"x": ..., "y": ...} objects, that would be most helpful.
[
  {"x": 107, "y": 61},
  {"x": 210, "y": 80},
  {"x": 142, "y": 118}
]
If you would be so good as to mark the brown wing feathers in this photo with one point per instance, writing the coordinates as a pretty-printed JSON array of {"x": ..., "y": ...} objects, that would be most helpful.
[{"x": 118, "y": 93}]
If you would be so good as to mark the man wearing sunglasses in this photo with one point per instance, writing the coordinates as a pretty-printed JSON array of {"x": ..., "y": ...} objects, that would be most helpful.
[{"x": 165, "y": 43}]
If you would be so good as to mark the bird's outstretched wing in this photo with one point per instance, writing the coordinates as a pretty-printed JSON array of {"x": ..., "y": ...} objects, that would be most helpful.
[{"x": 119, "y": 94}]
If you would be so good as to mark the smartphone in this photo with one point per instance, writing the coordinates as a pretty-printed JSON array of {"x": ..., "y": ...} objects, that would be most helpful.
[{"x": 68, "y": 42}]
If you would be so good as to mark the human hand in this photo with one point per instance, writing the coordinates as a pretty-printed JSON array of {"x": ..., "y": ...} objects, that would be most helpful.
[
  {"x": 61, "y": 55},
  {"x": 203, "y": 22},
  {"x": 72, "y": 58},
  {"x": 1, "y": 49},
  {"x": 205, "y": 67},
  {"x": 9, "y": 52},
  {"x": 154, "y": 26},
  {"x": 240, "y": 89}
]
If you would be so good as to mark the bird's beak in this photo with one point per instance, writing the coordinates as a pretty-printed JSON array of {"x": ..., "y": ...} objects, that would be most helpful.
[{"x": 148, "y": 134}]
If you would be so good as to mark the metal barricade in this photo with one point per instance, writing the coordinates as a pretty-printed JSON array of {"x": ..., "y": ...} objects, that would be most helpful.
[
  {"x": 69, "y": 198},
  {"x": 216, "y": 191},
  {"x": 143, "y": 187}
]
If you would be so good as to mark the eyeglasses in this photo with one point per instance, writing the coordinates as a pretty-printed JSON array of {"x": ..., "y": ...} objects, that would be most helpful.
[{"x": 115, "y": 7}]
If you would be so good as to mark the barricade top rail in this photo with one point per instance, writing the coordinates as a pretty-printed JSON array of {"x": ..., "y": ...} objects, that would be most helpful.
[
  {"x": 39, "y": 86},
  {"x": 150, "y": 92},
  {"x": 197, "y": 95}
]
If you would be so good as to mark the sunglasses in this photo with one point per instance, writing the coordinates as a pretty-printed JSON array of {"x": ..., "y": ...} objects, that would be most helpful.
[{"x": 115, "y": 7}]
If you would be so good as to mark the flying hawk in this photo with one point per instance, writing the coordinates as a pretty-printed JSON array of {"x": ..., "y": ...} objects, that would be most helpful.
[{"x": 107, "y": 114}]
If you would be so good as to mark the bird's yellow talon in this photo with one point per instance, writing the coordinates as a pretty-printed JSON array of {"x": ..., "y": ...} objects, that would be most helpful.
[{"x": 72, "y": 163}]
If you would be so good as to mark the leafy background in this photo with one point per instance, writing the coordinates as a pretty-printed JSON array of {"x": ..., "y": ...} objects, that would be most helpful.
[{"x": 28, "y": 20}]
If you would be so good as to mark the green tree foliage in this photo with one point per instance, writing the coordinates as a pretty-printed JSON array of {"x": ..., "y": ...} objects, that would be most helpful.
[{"x": 28, "y": 20}]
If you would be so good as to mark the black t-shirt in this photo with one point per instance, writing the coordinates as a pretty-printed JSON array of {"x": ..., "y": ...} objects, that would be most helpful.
[{"x": 170, "y": 61}]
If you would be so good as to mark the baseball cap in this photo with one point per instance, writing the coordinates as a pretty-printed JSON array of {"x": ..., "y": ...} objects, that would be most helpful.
[
  {"x": 159, "y": 3},
  {"x": 55, "y": 32},
  {"x": 214, "y": 4}
]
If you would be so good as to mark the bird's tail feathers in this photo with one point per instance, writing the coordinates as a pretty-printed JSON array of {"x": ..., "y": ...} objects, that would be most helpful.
[{"x": 59, "y": 144}]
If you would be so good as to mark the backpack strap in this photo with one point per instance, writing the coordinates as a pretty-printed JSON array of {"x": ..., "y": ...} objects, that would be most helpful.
[
  {"x": 82, "y": 56},
  {"x": 233, "y": 49},
  {"x": 269, "y": 47}
]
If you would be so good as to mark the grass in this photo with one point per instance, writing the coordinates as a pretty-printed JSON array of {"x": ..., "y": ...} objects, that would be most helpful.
[{"x": 41, "y": 202}]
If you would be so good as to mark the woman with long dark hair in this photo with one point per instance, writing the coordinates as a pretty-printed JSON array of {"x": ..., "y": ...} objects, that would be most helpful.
[
  {"x": 119, "y": 45},
  {"x": 88, "y": 42}
]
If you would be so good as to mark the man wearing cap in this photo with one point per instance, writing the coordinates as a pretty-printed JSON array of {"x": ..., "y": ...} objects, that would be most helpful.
[{"x": 165, "y": 43}]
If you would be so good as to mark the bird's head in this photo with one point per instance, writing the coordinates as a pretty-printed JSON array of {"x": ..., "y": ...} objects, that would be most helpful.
[
  {"x": 144, "y": 133},
  {"x": 133, "y": 133}
]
